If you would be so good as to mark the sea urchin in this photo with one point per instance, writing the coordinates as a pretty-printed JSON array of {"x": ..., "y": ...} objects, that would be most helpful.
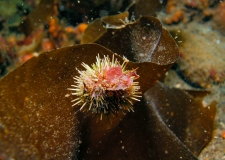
[{"x": 106, "y": 87}]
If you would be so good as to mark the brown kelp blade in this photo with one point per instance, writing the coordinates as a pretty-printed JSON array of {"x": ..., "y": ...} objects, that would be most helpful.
[
  {"x": 117, "y": 20},
  {"x": 143, "y": 41},
  {"x": 36, "y": 115},
  {"x": 97, "y": 28},
  {"x": 146, "y": 7},
  {"x": 183, "y": 114},
  {"x": 38, "y": 16},
  {"x": 93, "y": 31},
  {"x": 167, "y": 124}
]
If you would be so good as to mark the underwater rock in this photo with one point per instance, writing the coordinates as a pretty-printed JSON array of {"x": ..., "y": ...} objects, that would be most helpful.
[
  {"x": 202, "y": 59},
  {"x": 219, "y": 16}
]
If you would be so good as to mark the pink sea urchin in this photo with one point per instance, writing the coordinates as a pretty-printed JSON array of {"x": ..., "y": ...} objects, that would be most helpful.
[{"x": 106, "y": 87}]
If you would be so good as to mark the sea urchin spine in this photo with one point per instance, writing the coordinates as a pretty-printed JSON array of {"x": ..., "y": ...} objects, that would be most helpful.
[{"x": 106, "y": 87}]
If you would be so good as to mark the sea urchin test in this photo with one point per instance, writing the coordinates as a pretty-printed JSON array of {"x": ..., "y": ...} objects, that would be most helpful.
[{"x": 106, "y": 87}]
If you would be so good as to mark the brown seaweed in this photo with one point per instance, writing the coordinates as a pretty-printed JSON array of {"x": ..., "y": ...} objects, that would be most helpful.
[
  {"x": 36, "y": 116},
  {"x": 37, "y": 120},
  {"x": 180, "y": 132},
  {"x": 116, "y": 20},
  {"x": 146, "y": 7},
  {"x": 96, "y": 28},
  {"x": 184, "y": 114},
  {"x": 38, "y": 16},
  {"x": 163, "y": 126},
  {"x": 143, "y": 40}
]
